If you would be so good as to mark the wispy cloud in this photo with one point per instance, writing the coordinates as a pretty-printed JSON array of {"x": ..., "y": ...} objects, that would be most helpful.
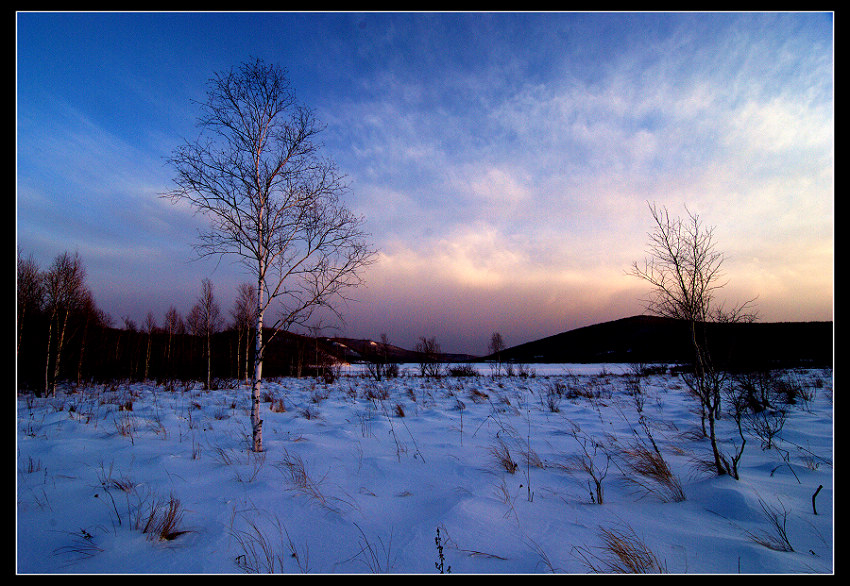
[{"x": 556, "y": 173}]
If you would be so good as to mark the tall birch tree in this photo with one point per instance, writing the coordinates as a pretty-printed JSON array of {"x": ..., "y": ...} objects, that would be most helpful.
[{"x": 256, "y": 172}]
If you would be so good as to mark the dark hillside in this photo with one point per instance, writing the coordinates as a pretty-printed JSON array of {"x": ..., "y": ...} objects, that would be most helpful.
[{"x": 655, "y": 339}]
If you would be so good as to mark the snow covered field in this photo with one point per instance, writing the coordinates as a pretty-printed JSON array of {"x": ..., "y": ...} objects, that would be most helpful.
[{"x": 359, "y": 476}]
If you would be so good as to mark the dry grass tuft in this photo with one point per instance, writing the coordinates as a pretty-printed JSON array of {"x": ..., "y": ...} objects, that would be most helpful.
[
  {"x": 260, "y": 556},
  {"x": 652, "y": 474},
  {"x": 502, "y": 456},
  {"x": 299, "y": 480},
  {"x": 126, "y": 425},
  {"x": 478, "y": 396},
  {"x": 375, "y": 392},
  {"x": 621, "y": 552},
  {"x": 379, "y": 561},
  {"x": 81, "y": 548},
  {"x": 253, "y": 464},
  {"x": 161, "y": 519},
  {"x": 277, "y": 405},
  {"x": 310, "y": 412},
  {"x": 108, "y": 480}
]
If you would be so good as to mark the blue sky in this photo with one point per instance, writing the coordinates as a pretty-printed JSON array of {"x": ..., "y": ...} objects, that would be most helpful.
[{"x": 502, "y": 161}]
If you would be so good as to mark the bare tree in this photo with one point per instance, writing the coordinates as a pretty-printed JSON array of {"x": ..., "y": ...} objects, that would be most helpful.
[
  {"x": 65, "y": 289},
  {"x": 256, "y": 172},
  {"x": 495, "y": 346},
  {"x": 205, "y": 318},
  {"x": 30, "y": 292},
  {"x": 684, "y": 270},
  {"x": 91, "y": 315},
  {"x": 243, "y": 313},
  {"x": 150, "y": 327},
  {"x": 378, "y": 363},
  {"x": 430, "y": 354},
  {"x": 172, "y": 320}
]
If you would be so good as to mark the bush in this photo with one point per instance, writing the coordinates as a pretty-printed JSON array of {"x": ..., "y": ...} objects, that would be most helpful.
[
  {"x": 463, "y": 370},
  {"x": 788, "y": 389},
  {"x": 382, "y": 370}
]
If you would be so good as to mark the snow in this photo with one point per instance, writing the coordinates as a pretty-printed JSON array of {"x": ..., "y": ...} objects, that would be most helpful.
[{"x": 346, "y": 484}]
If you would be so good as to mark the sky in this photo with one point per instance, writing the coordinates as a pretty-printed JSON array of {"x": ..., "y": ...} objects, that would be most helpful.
[{"x": 503, "y": 162}]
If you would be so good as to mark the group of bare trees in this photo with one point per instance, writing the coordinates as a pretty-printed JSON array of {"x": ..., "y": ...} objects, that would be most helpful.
[
  {"x": 62, "y": 335},
  {"x": 54, "y": 305}
]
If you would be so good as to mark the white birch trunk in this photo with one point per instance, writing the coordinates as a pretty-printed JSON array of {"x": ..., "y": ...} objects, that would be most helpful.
[{"x": 257, "y": 380}]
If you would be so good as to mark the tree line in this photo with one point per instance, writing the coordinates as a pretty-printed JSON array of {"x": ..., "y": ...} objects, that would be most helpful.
[{"x": 63, "y": 337}]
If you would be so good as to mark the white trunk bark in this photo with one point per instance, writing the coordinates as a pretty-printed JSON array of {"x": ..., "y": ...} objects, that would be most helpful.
[{"x": 257, "y": 379}]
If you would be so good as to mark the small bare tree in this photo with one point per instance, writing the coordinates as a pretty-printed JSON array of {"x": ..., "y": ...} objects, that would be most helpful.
[
  {"x": 243, "y": 313},
  {"x": 378, "y": 363},
  {"x": 495, "y": 347},
  {"x": 274, "y": 203},
  {"x": 206, "y": 320},
  {"x": 684, "y": 270},
  {"x": 594, "y": 460},
  {"x": 150, "y": 328},
  {"x": 429, "y": 356},
  {"x": 172, "y": 323}
]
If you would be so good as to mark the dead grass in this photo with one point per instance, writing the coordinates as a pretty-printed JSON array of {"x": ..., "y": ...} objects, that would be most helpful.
[
  {"x": 254, "y": 462},
  {"x": 160, "y": 519},
  {"x": 651, "y": 474},
  {"x": 622, "y": 552},
  {"x": 32, "y": 466},
  {"x": 223, "y": 456},
  {"x": 375, "y": 392},
  {"x": 502, "y": 457},
  {"x": 126, "y": 425},
  {"x": 777, "y": 538},
  {"x": 377, "y": 556},
  {"x": 478, "y": 396},
  {"x": 108, "y": 480},
  {"x": 277, "y": 405},
  {"x": 261, "y": 556},
  {"x": 299, "y": 480},
  {"x": 82, "y": 547},
  {"x": 503, "y": 494}
]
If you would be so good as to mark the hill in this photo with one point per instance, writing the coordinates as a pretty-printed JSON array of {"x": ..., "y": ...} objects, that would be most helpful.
[{"x": 644, "y": 338}]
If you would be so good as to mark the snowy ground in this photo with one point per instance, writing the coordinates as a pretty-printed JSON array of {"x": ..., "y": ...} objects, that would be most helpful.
[{"x": 358, "y": 476}]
